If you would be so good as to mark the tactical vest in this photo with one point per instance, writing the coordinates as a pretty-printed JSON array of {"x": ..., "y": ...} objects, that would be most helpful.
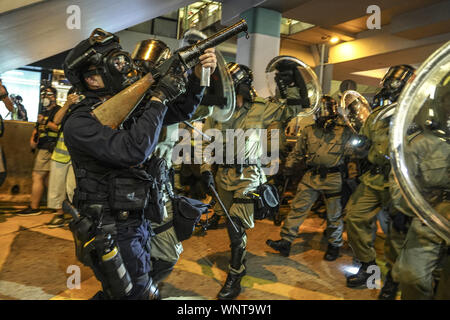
[
  {"x": 126, "y": 190},
  {"x": 46, "y": 132}
]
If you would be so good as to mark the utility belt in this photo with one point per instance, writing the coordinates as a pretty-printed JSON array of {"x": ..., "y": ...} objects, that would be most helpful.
[
  {"x": 124, "y": 193},
  {"x": 377, "y": 169},
  {"x": 323, "y": 171},
  {"x": 96, "y": 247}
]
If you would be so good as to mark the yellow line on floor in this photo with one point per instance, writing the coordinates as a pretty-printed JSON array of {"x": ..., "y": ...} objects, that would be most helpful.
[{"x": 282, "y": 289}]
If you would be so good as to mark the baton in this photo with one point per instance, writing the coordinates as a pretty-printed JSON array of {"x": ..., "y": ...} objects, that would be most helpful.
[
  {"x": 223, "y": 207},
  {"x": 198, "y": 131}
]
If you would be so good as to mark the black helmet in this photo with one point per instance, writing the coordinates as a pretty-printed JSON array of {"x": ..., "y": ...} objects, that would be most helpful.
[
  {"x": 347, "y": 85},
  {"x": 242, "y": 78},
  {"x": 240, "y": 74},
  {"x": 327, "y": 113},
  {"x": 392, "y": 84},
  {"x": 102, "y": 50}
]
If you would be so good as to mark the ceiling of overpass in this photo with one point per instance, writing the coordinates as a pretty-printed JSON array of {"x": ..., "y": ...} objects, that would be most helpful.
[
  {"x": 425, "y": 21},
  {"x": 410, "y": 30}
]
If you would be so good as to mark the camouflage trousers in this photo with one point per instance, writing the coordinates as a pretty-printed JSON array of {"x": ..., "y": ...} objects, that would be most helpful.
[{"x": 308, "y": 191}]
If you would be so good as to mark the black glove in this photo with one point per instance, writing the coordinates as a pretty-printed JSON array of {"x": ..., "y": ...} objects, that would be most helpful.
[
  {"x": 170, "y": 87},
  {"x": 208, "y": 179}
]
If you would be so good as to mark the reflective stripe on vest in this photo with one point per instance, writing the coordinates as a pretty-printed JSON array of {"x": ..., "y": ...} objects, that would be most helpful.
[{"x": 61, "y": 154}]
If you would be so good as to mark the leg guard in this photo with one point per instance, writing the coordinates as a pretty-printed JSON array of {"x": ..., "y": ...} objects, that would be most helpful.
[{"x": 237, "y": 245}]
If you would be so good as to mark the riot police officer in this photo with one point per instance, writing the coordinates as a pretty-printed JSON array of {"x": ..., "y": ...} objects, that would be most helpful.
[
  {"x": 322, "y": 148},
  {"x": 236, "y": 182},
  {"x": 110, "y": 165},
  {"x": 165, "y": 246},
  {"x": 372, "y": 193},
  {"x": 429, "y": 151}
]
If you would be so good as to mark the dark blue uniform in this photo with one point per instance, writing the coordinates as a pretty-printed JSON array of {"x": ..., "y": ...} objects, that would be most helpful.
[{"x": 96, "y": 150}]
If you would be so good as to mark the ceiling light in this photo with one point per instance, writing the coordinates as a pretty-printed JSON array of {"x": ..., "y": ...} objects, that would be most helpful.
[{"x": 334, "y": 40}]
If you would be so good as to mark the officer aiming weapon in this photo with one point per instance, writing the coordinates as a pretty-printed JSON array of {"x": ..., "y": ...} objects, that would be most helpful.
[{"x": 116, "y": 110}]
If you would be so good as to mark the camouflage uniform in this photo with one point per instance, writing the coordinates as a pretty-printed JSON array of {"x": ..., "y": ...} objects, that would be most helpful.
[
  {"x": 423, "y": 249},
  {"x": 321, "y": 149}
]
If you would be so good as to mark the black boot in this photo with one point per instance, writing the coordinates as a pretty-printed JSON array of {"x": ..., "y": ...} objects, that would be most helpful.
[
  {"x": 282, "y": 246},
  {"x": 213, "y": 222},
  {"x": 232, "y": 287},
  {"x": 332, "y": 253},
  {"x": 390, "y": 288},
  {"x": 360, "y": 279}
]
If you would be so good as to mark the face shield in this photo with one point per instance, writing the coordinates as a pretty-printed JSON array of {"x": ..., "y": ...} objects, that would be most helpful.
[
  {"x": 355, "y": 109},
  {"x": 421, "y": 161},
  {"x": 286, "y": 72}
]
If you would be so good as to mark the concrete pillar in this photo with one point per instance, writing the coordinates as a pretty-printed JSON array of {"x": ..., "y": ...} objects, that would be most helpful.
[
  {"x": 262, "y": 46},
  {"x": 324, "y": 71}
]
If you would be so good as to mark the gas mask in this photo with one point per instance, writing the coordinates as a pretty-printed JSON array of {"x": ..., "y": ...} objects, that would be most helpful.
[
  {"x": 327, "y": 114},
  {"x": 242, "y": 78},
  {"x": 117, "y": 71},
  {"x": 392, "y": 84},
  {"x": 102, "y": 55}
]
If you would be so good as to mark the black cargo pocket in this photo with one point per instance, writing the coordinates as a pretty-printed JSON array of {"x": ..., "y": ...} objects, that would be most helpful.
[
  {"x": 128, "y": 193},
  {"x": 187, "y": 213}
]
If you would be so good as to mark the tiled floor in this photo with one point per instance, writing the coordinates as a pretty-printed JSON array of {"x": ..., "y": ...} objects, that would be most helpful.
[{"x": 35, "y": 261}]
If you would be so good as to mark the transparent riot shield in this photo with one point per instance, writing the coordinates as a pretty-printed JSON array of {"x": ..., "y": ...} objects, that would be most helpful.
[
  {"x": 420, "y": 143},
  {"x": 293, "y": 71}
]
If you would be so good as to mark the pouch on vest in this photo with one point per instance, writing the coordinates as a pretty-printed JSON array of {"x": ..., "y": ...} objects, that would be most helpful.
[
  {"x": 267, "y": 201},
  {"x": 129, "y": 190},
  {"x": 187, "y": 213},
  {"x": 157, "y": 168},
  {"x": 83, "y": 231}
]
